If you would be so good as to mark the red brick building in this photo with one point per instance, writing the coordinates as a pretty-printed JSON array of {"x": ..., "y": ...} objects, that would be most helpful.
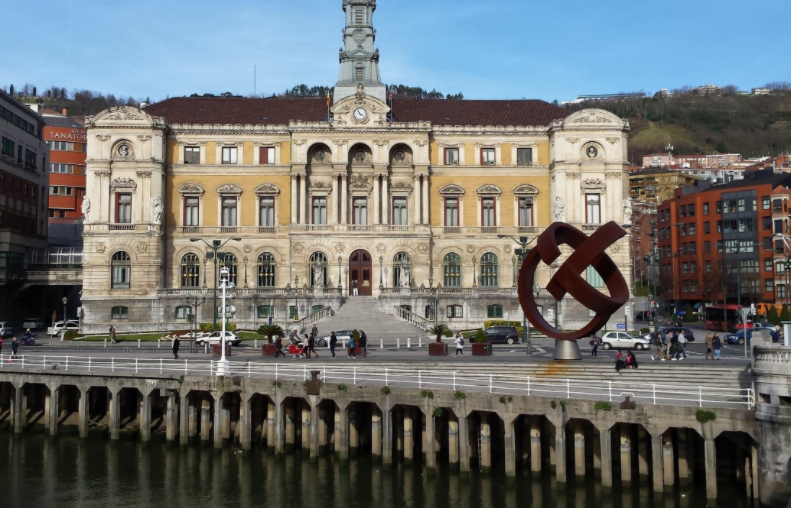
[
  {"x": 740, "y": 216},
  {"x": 67, "y": 140}
]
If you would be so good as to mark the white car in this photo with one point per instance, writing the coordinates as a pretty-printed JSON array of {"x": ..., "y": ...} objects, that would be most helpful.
[
  {"x": 33, "y": 323},
  {"x": 71, "y": 324},
  {"x": 216, "y": 337},
  {"x": 6, "y": 329},
  {"x": 623, "y": 340}
]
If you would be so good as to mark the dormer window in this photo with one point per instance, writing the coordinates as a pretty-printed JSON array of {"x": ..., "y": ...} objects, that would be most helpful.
[
  {"x": 358, "y": 74},
  {"x": 359, "y": 16}
]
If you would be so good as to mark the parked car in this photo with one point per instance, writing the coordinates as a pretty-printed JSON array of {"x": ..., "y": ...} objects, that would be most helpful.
[
  {"x": 33, "y": 323},
  {"x": 71, "y": 324},
  {"x": 216, "y": 337},
  {"x": 342, "y": 334},
  {"x": 502, "y": 334},
  {"x": 623, "y": 340},
  {"x": 667, "y": 329},
  {"x": 6, "y": 329},
  {"x": 738, "y": 337}
]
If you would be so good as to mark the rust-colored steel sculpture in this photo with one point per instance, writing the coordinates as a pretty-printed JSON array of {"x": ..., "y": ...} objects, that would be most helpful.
[{"x": 588, "y": 251}]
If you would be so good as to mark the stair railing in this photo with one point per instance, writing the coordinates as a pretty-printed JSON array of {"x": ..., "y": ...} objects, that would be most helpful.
[
  {"x": 408, "y": 315},
  {"x": 315, "y": 317}
]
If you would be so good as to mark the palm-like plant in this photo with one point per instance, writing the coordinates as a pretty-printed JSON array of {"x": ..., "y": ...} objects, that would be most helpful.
[
  {"x": 440, "y": 331},
  {"x": 271, "y": 331}
]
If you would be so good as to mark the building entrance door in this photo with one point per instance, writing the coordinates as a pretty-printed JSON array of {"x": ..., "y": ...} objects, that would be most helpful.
[{"x": 360, "y": 270}]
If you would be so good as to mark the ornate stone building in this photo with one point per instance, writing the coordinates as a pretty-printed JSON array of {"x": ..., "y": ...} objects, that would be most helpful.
[{"x": 405, "y": 201}]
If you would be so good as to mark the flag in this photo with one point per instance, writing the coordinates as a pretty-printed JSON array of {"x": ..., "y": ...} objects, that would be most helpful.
[
  {"x": 328, "y": 97},
  {"x": 391, "y": 96}
]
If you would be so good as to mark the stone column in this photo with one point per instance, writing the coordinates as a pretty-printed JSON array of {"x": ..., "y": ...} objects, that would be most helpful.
[
  {"x": 184, "y": 419},
  {"x": 385, "y": 201},
  {"x": 683, "y": 454},
  {"x": 280, "y": 431},
  {"x": 315, "y": 420},
  {"x": 464, "y": 443},
  {"x": 344, "y": 200},
  {"x": 711, "y": 469},
  {"x": 219, "y": 409},
  {"x": 754, "y": 470},
  {"x": 593, "y": 435},
  {"x": 642, "y": 451},
  {"x": 271, "y": 424},
  {"x": 342, "y": 439},
  {"x": 84, "y": 407},
  {"x": 323, "y": 428},
  {"x": 336, "y": 198},
  {"x": 579, "y": 449},
  {"x": 429, "y": 447},
  {"x": 52, "y": 410},
  {"x": 336, "y": 433},
  {"x": 409, "y": 445},
  {"x": 387, "y": 436},
  {"x": 354, "y": 432},
  {"x": 205, "y": 420},
  {"x": 425, "y": 200},
  {"x": 605, "y": 447},
  {"x": 453, "y": 440},
  {"x": 306, "y": 428},
  {"x": 294, "y": 200},
  {"x": 246, "y": 422},
  {"x": 560, "y": 453},
  {"x": 19, "y": 409},
  {"x": 486, "y": 442},
  {"x": 144, "y": 417},
  {"x": 535, "y": 444},
  {"x": 376, "y": 433},
  {"x": 303, "y": 196},
  {"x": 377, "y": 204},
  {"x": 172, "y": 418},
  {"x": 667, "y": 457},
  {"x": 656, "y": 463},
  {"x": 626, "y": 453},
  {"x": 417, "y": 201},
  {"x": 510, "y": 448},
  {"x": 115, "y": 413},
  {"x": 398, "y": 427}
]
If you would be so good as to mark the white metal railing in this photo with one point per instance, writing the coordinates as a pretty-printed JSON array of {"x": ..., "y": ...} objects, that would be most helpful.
[{"x": 611, "y": 391}]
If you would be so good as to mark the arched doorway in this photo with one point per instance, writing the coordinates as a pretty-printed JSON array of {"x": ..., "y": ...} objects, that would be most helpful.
[{"x": 360, "y": 270}]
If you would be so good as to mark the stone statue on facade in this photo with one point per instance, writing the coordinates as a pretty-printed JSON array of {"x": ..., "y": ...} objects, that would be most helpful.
[
  {"x": 157, "y": 210},
  {"x": 318, "y": 274},
  {"x": 405, "y": 275},
  {"x": 627, "y": 211},
  {"x": 86, "y": 209},
  {"x": 558, "y": 209}
]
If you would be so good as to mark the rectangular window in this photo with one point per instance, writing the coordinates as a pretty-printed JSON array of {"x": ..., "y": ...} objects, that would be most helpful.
[
  {"x": 718, "y": 206},
  {"x": 682, "y": 211},
  {"x": 494, "y": 311},
  {"x": 777, "y": 205},
  {"x": 593, "y": 278},
  {"x": 781, "y": 291},
  {"x": 451, "y": 156},
  {"x": 320, "y": 210},
  {"x": 267, "y": 155},
  {"x": 719, "y": 226},
  {"x": 691, "y": 229},
  {"x": 770, "y": 285},
  {"x": 191, "y": 209},
  {"x": 708, "y": 266},
  {"x": 455, "y": 311},
  {"x": 121, "y": 276},
  {"x": 8, "y": 147},
  {"x": 192, "y": 155},
  {"x": 683, "y": 230},
  {"x": 778, "y": 226},
  {"x": 691, "y": 210},
  {"x": 488, "y": 218},
  {"x": 767, "y": 223},
  {"x": 183, "y": 312},
  {"x": 400, "y": 211},
  {"x": 266, "y": 211},
  {"x": 691, "y": 248},
  {"x": 120, "y": 312},
  {"x": 767, "y": 244},
  {"x": 780, "y": 267},
  {"x": 358, "y": 16},
  {"x": 266, "y": 311},
  {"x": 360, "y": 211},
  {"x": 229, "y": 154},
  {"x": 451, "y": 212},
  {"x": 358, "y": 73},
  {"x": 705, "y": 208},
  {"x": 61, "y": 191},
  {"x": 768, "y": 264},
  {"x": 526, "y": 212},
  {"x": 765, "y": 202},
  {"x": 706, "y": 247},
  {"x": 706, "y": 227},
  {"x": 592, "y": 209},
  {"x": 487, "y": 157},
  {"x": 123, "y": 212},
  {"x": 524, "y": 156},
  {"x": 228, "y": 217}
]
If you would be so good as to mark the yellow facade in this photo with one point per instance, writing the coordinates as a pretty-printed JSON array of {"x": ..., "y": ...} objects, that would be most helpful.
[
  {"x": 211, "y": 153},
  {"x": 543, "y": 154},
  {"x": 248, "y": 152},
  {"x": 506, "y": 154},
  {"x": 285, "y": 153}
]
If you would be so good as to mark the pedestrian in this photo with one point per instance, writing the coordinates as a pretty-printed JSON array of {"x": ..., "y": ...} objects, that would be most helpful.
[
  {"x": 14, "y": 347},
  {"x": 709, "y": 346},
  {"x": 619, "y": 363},
  {"x": 716, "y": 344},
  {"x": 279, "y": 346},
  {"x": 354, "y": 288},
  {"x": 682, "y": 343},
  {"x": 595, "y": 343},
  {"x": 459, "y": 345},
  {"x": 673, "y": 348},
  {"x": 364, "y": 344},
  {"x": 333, "y": 343},
  {"x": 351, "y": 352},
  {"x": 312, "y": 343},
  {"x": 631, "y": 360},
  {"x": 112, "y": 335},
  {"x": 176, "y": 345},
  {"x": 1, "y": 345}
]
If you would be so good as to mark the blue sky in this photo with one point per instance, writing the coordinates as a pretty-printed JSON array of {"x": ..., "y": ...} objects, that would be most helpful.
[{"x": 556, "y": 49}]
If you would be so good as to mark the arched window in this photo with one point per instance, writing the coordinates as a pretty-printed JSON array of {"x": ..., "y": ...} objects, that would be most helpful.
[
  {"x": 266, "y": 270},
  {"x": 232, "y": 264},
  {"x": 489, "y": 271},
  {"x": 190, "y": 271},
  {"x": 318, "y": 269},
  {"x": 402, "y": 260},
  {"x": 452, "y": 266},
  {"x": 121, "y": 270},
  {"x": 494, "y": 311}
]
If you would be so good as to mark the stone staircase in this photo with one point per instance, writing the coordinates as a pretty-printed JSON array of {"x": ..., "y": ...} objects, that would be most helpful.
[{"x": 365, "y": 313}]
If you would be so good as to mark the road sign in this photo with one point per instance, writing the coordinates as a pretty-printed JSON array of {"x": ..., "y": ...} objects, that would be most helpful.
[
  {"x": 642, "y": 304},
  {"x": 627, "y": 311},
  {"x": 620, "y": 326},
  {"x": 550, "y": 314}
]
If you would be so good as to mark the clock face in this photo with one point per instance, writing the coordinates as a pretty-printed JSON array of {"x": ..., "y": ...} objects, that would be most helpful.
[{"x": 360, "y": 114}]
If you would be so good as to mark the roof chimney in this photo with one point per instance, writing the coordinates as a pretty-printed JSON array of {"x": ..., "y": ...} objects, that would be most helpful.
[{"x": 65, "y": 112}]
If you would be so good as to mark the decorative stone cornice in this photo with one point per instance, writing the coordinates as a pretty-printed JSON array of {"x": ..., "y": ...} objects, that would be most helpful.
[
  {"x": 191, "y": 188},
  {"x": 267, "y": 188},
  {"x": 229, "y": 188}
]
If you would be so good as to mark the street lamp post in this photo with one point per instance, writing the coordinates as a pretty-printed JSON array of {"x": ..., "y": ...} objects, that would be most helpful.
[
  {"x": 65, "y": 301},
  {"x": 222, "y": 365},
  {"x": 522, "y": 253},
  {"x": 215, "y": 246},
  {"x": 195, "y": 302}
]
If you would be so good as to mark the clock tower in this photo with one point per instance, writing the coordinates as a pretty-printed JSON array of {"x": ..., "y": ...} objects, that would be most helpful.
[{"x": 359, "y": 59}]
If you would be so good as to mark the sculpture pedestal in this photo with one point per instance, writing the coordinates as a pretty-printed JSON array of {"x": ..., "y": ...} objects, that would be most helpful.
[
  {"x": 406, "y": 291},
  {"x": 566, "y": 350}
]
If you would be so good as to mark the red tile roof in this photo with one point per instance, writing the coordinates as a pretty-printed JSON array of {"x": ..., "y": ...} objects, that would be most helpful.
[{"x": 278, "y": 111}]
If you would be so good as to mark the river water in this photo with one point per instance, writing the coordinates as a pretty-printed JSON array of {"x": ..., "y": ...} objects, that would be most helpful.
[{"x": 36, "y": 472}]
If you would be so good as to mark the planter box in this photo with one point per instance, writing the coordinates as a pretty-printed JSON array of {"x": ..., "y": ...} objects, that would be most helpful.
[
  {"x": 269, "y": 350},
  {"x": 437, "y": 349},
  {"x": 482, "y": 349},
  {"x": 216, "y": 350}
]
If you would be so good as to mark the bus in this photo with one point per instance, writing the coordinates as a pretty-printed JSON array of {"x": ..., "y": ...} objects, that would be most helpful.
[{"x": 723, "y": 318}]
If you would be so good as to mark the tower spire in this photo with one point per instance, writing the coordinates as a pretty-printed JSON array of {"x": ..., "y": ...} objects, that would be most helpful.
[{"x": 358, "y": 58}]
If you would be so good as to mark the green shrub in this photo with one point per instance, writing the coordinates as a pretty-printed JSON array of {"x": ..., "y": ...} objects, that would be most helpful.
[
  {"x": 271, "y": 331},
  {"x": 440, "y": 331},
  {"x": 460, "y": 395},
  {"x": 356, "y": 336},
  {"x": 208, "y": 327},
  {"x": 427, "y": 394},
  {"x": 562, "y": 403},
  {"x": 342, "y": 388},
  {"x": 772, "y": 316},
  {"x": 480, "y": 337},
  {"x": 689, "y": 314},
  {"x": 437, "y": 412},
  {"x": 70, "y": 335},
  {"x": 385, "y": 390},
  {"x": 602, "y": 406},
  {"x": 553, "y": 404},
  {"x": 705, "y": 416},
  {"x": 785, "y": 315},
  {"x": 643, "y": 331},
  {"x": 505, "y": 399}
]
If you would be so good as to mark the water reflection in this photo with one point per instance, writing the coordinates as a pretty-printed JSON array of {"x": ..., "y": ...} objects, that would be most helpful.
[{"x": 67, "y": 472}]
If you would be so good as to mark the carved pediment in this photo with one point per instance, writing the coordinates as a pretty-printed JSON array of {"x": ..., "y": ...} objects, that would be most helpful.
[
  {"x": 122, "y": 113},
  {"x": 401, "y": 158},
  {"x": 452, "y": 189},
  {"x": 229, "y": 189},
  {"x": 593, "y": 183},
  {"x": 593, "y": 117},
  {"x": 490, "y": 189},
  {"x": 400, "y": 187},
  {"x": 526, "y": 189},
  {"x": 267, "y": 188},
  {"x": 123, "y": 183},
  {"x": 321, "y": 186},
  {"x": 359, "y": 182},
  {"x": 191, "y": 188}
]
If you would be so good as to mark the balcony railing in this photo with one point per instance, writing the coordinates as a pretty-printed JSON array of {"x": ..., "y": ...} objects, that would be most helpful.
[
  {"x": 408, "y": 315},
  {"x": 262, "y": 292},
  {"x": 99, "y": 227},
  {"x": 424, "y": 291}
]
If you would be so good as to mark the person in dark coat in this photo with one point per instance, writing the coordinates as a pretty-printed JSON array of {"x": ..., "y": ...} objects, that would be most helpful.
[
  {"x": 176, "y": 346},
  {"x": 364, "y": 344},
  {"x": 312, "y": 344},
  {"x": 14, "y": 346},
  {"x": 279, "y": 346},
  {"x": 333, "y": 343}
]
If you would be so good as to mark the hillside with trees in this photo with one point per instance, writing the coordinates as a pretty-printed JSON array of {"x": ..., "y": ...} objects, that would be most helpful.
[{"x": 78, "y": 102}]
